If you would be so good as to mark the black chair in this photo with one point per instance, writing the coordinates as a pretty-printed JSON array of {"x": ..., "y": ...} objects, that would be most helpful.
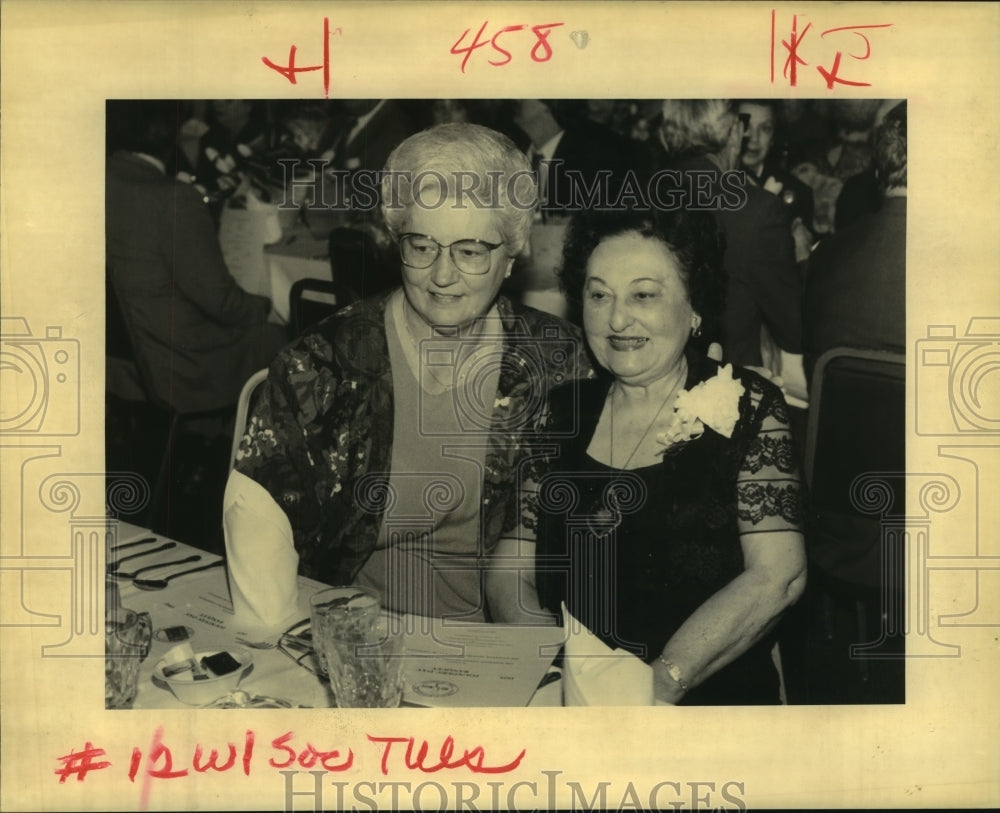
[
  {"x": 855, "y": 470},
  {"x": 121, "y": 374},
  {"x": 143, "y": 432},
  {"x": 311, "y": 300},
  {"x": 358, "y": 264},
  {"x": 856, "y": 428}
]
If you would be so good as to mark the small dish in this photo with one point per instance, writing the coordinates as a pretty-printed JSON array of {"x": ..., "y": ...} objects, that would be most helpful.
[
  {"x": 242, "y": 700},
  {"x": 200, "y": 691}
]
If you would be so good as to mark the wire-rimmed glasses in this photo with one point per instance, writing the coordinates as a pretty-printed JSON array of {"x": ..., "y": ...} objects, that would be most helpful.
[{"x": 470, "y": 256}]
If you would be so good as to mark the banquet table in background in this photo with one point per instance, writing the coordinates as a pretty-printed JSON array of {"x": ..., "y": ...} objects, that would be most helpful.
[
  {"x": 267, "y": 250},
  {"x": 297, "y": 255},
  {"x": 479, "y": 664}
]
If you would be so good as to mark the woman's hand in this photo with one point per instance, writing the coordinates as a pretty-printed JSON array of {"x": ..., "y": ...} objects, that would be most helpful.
[{"x": 736, "y": 617}]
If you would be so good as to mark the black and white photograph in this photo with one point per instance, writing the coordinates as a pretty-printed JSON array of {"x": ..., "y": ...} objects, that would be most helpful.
[{"x": 315, "y": 389}]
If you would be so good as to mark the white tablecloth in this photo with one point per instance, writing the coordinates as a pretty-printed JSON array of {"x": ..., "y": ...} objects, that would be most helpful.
[
  {"x": 200, "y": 601},
  {"x": 296, "y": 256}
]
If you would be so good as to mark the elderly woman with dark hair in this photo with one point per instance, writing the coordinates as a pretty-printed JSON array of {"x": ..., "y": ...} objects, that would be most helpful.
[
  {"x": 668, "y": 523},
  {"x": 384, "y": 448}
]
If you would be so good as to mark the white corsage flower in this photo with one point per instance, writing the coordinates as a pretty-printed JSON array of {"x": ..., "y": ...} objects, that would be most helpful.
[{"x": 713, "y": 403}]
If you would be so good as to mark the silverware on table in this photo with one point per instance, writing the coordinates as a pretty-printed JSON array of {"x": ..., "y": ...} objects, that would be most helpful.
[
  {"x": 256, "y": 644},
  {"x": 126, "y": 545},
  {"x": 119, "y": 575},
  {"x": 160, "y": 584},
  {"x": 113, "y": 568}
]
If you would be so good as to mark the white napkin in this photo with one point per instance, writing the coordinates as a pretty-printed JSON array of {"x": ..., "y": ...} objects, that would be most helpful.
[
  {"x": 260, "y": 555},
  {"x": 594, "y": 674}
]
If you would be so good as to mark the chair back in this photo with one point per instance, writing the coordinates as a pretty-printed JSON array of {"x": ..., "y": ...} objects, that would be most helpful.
[
  {"x": 122, "y": 378},
  {"x": 357, "y": 264},
  {"x": 856, "y": 427},
  {"x": 243, "y": 406},
  {"x": 311, "y": 300}
]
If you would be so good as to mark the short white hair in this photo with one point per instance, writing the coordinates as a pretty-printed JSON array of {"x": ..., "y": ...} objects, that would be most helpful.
[{"x": 447, "y": 158}]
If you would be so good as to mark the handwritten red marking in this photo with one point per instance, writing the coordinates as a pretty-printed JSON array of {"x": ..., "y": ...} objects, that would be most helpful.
[
  {"x": 213, "y": 759},
  {"x": 794, "y": 60},
  {"x": 248, "y": 742},
  {"x": 473, "y": 760},
  {"x": 133, "y": 768},
  {"x": 475, "y": 44},
  {"x": 542, "y": 32},
  {"x": 831, "y": 76},
  {"x": 496, "y": 47},
  {"x": 541, "y": 51},
  {"x": 309, "y": 755},
  {"x": 81, "y": 763},
  {"x": 160, "y": 751},
  {"x": 290, "y": 70},
  {"x": 794, "y": 46},
  {"x": 326, "y": 58},
  {"x": 772, "y": 46}
]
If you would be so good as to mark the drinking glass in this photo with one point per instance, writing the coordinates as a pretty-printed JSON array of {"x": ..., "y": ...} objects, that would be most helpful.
[
  {"x": 367, "y": 672},
  {"x": 356, "y": 648},
  {"x": 127, "y": 638},
  {"x": 342, "y": 612}
]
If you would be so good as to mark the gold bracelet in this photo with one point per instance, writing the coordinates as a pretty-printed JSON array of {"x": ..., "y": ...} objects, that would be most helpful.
[{"x": 675, "y": 673}]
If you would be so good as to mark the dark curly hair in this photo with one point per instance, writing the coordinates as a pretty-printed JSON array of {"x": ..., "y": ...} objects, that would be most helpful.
[{"x": 693, "y": 238}]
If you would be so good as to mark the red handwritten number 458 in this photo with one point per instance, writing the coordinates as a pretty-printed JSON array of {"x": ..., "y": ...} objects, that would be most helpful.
[{"x": 540, "y": 52}]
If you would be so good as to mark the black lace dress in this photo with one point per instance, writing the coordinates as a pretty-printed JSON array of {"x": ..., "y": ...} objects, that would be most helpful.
[{"x": 634, "y": 553}]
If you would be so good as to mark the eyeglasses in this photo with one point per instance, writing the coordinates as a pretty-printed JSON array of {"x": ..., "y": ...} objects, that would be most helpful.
[{"x": 469, "y": 256}]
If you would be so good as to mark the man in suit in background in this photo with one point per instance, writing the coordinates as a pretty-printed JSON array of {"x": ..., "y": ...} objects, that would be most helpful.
[
  {"x": 360, "y": 138},
  {"x": 702, "y": 139},
  {"x": 575, "y": 156},
  {"x": 855, "y": 291},
  {"x": 197, "y": 336}
]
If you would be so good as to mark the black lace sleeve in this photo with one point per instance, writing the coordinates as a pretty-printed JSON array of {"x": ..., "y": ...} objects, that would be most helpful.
[{"x": 768, "y": 488}]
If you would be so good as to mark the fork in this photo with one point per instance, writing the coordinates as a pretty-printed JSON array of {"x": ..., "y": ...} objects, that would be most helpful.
[{"x": 256, "y": 644}]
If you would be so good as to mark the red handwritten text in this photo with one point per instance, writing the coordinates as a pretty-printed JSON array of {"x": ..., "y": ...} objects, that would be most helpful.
[
  {"x": 290, "y": 71},
  {"x": 81, "y": 763},
  {"x": 161, "y": 759},
  {"x": 158, "y": 761},
  {"x": 308, "y": 757},
  {"x": 415, "y": 761},
  {"x": 541, "y": 51},
  {"x": 838, "y": 34}
]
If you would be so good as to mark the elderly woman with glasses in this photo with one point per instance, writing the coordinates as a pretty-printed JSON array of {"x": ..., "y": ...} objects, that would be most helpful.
[{"x": 384, "y": 448}]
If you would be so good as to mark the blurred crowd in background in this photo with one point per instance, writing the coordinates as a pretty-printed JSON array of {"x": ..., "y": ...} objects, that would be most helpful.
[{"x": 817, "y": 152}]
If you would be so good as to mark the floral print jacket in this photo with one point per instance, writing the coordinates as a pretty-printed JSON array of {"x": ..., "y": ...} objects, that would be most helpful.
[{"x": 319, "y": 437}]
